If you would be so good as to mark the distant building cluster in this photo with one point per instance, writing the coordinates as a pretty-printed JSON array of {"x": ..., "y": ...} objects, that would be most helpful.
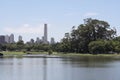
[
  {"x": 44, "y": 38},
  {"x": 10, "y": 38},
  {"x": 7, "y": 39}
]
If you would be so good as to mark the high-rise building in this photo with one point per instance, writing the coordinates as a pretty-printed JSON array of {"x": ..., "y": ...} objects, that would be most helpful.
[
  {"x": 37, "y": 40},
  {"x": 45, "y": 34},
  {"x": 52, "y": 41},
  {"x": 42, "y": 38},
  {"x": 11, "y": 38},
  {"x": 20, "y": 38},
  {"x": 2, "y": 39},
  {"x": 7, "y": 39},
  {"x": 32, "y": 41},
  {"x": 67, "y": 35}
]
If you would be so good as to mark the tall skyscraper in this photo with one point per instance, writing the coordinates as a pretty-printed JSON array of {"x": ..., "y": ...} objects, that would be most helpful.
[
  {"x": 32, "y": 41},
  {"x": 20, "y": 38},
  {"x": 7, "y": 39},
  {"x": 37, "y": 40},
  {"x": 43, "y": 39},
  {"x": 11, "y": 38},
  {"x": 52, "y": 41},
  {"x": 2, "y": 39},
  {"x": 45, "y": 34}
]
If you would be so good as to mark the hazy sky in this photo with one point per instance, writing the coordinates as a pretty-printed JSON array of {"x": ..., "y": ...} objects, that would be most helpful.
[{"x": 27, "y": 17}]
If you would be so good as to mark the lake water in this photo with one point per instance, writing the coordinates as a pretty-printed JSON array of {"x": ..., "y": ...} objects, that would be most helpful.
[{"x": 77, "y": 68}]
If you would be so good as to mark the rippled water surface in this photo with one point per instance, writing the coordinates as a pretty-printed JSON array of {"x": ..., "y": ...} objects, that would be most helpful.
[{"x": 78, "y": 68}]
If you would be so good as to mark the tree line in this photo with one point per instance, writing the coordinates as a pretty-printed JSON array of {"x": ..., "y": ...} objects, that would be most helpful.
[{"x": 93, "y": 36}]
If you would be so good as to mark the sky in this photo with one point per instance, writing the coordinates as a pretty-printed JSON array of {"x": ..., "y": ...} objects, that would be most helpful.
[{"x": 27, "y": 17}]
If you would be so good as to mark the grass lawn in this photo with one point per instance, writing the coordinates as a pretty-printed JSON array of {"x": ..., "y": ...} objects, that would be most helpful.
[
  {"x": 12, "y": 53},
  {"x": 80, "y": 54}
]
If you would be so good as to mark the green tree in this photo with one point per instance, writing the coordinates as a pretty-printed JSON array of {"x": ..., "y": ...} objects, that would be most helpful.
[
  {"x": 91, "y": 30},
  {"x": 97, "y": 47},
  {"x": 117, "y": 38},
  {"x": 20, "y": 45},
  {"x": 116, "y": 45},
  {"x": 104, "y": 46},
  {"x": 11, "y": 47}
]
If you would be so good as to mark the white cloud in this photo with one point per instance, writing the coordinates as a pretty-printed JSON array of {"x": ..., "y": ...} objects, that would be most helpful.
[
  {"x": 90, "y": 14},
  {"x": 25, "y": 29}
]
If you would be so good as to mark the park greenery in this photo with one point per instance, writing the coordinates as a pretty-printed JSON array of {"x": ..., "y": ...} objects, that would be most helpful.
[{"x": 94, "y": 37}]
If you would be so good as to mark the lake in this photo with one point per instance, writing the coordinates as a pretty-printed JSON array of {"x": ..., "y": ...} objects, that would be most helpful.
[{"x": 76, "y": 68}]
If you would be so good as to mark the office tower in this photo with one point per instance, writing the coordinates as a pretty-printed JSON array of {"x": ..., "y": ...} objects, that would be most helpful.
[
  {"x": 52, "y": 41},
  {"x": 45, "y": 34},
  {"x": 20, "y": 38},
  {"x": 42, "y": 40},
  {"x": 67, "y": 35},
  {"x": 7, "y": 39},
  {"x": 32, "y": 41},
  {"x": 2, "y": 39},
  {"x": 11, "y": 38},
  {"x": 37, "y": 40}
]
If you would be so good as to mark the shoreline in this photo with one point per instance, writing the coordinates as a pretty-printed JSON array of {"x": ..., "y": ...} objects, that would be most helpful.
[{"x": 55, "y": 54}]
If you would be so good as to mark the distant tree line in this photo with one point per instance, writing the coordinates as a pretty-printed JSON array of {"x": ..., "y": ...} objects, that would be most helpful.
[
  {"x": 94, "y": 36},
  {"x": 21, "y": 46}
]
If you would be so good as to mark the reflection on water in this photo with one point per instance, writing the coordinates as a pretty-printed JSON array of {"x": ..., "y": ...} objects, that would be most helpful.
[
  {"x": 45, "y": 69},
  {"x": 90, "y": 61},
  {"x": 77, "y": 68}
]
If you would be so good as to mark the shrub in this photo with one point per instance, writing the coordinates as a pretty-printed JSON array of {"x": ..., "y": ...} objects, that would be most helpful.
[
  {"x": 50, "y": 52},
  {"x": 102, "y": 46},
  {"x": 97, "y": 47}
]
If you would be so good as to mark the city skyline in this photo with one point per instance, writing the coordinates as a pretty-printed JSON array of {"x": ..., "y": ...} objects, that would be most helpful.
[
  {"x": 27, "y": 20},
  {"x": 44, "y": 39}
]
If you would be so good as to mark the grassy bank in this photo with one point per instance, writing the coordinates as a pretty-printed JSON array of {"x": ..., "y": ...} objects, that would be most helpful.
[
  {"x": 87, "y": 54},
  {"x": 9, "y": 53},
  {"x": 19, "y": 54}
]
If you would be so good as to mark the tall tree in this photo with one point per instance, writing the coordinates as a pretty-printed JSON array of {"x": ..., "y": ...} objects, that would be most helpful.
[
  {"x": 91, "y": 30},
  {"x": 20, "y": 45}
]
